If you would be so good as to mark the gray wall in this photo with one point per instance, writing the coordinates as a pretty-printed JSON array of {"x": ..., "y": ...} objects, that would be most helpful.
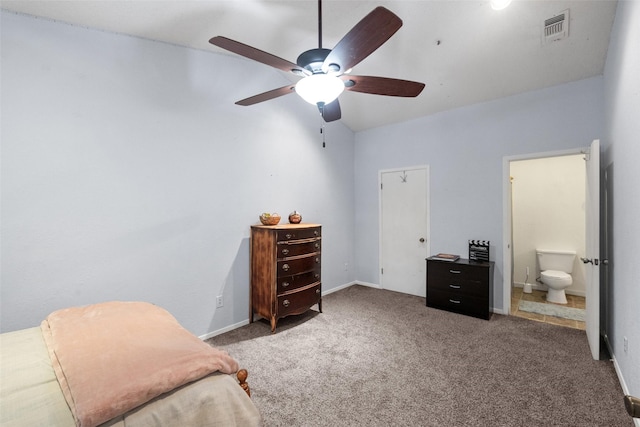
[
  {"x": 465, "y": 150},
  {"x": 129, "y": 174},
  {"x": 622, "y": 151}
]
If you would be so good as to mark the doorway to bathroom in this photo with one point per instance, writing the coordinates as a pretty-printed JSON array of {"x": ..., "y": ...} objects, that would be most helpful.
[
  {"x": 547, "y": 214},
  {"x": 549, "y": 203}
]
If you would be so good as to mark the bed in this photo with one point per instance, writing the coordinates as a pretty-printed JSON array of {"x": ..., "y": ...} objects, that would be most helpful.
[{"x": 118, "y": 364}]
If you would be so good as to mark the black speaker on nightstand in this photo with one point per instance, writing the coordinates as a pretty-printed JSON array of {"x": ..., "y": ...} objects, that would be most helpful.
[{"x": 479, "y": 250}]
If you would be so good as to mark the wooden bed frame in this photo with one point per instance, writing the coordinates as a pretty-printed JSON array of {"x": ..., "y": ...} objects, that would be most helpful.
[{"x": 242, "y": 379}]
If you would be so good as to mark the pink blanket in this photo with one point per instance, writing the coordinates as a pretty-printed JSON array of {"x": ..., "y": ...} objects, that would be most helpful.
[{"x": 112, "y": 357}]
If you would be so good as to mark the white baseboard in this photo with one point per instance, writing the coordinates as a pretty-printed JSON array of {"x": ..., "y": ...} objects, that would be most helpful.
[
  {"x": 246, "y": 322},
  {"x": 223, "y": 330},
  {"x": 370, "y": 285},
  {"x": 537, "y": 286},
  {"x": 623, "y": 384},
  {"x": 338, "y": 288}
]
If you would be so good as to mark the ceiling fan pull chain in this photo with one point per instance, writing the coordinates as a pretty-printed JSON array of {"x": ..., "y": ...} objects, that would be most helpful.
[{"x": 322, "y": 132}]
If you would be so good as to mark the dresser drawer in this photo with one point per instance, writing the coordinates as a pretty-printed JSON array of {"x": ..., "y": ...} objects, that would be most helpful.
[
  {"x": 290, "y": 283},
  {"x": 299, "y": 301},
  {"x": 473, "y": 306},
  {"x": 295, "y": 248},
  {"x": 298, "y": 233},
  {"x": 455, "y": 271},
  {"x": 289, "y": 266},
  {"x": 458, "y": 286}
]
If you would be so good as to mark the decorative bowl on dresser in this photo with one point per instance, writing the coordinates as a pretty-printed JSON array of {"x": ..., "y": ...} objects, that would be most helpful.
[
  {"x": 269, "y": 219},
  {"x": 285, "y": 270},
  {"x": 462, "y": 286}
]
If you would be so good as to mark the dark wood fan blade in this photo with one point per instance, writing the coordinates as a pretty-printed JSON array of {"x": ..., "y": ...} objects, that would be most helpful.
[
  {"x": 257, "y": 55},
  {"x": 331, "y": 111},
  {"x": 382, "y": 86},
  {"x": 368, "y": 35},
  {"x": 275, "y": 93}
]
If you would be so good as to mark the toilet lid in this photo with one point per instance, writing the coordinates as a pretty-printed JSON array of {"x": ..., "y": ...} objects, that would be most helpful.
[{"x": 555, "y": 274}]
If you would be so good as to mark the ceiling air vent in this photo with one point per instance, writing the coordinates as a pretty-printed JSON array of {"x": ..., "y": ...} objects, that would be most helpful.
[{"x": 556, "y": 28}]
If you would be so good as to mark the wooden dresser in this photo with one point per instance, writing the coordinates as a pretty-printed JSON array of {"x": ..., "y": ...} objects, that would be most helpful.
[
  {"x": 462, "y": 286},
  {"x": 285, "y": 270}
]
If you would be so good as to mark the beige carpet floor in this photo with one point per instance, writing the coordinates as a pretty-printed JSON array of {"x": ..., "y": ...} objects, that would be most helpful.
[{"x": 380, "y": 358}]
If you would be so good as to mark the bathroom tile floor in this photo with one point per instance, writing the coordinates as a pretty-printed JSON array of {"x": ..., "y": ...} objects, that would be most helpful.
[{"x": 539, "y": 296}]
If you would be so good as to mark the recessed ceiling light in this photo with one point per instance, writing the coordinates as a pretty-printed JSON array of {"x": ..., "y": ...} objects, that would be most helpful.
[{"x": 500, "y": 4}]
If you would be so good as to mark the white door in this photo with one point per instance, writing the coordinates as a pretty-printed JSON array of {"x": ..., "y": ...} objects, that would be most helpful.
[
  {"x": 592, "y": 250},
  {"x": 403, "y": 230}
]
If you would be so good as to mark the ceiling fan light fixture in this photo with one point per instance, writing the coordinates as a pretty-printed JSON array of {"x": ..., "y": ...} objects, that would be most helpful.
[
  {"x": 500, "y": 4},
  {"x": 318, "y": 88}
]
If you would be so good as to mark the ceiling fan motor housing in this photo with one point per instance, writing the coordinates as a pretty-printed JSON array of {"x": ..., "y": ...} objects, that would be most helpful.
[{"x": 313, "y": 59}]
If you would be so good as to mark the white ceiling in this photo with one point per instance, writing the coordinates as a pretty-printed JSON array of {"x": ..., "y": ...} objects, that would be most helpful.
[{"x": 464, "y": 51}]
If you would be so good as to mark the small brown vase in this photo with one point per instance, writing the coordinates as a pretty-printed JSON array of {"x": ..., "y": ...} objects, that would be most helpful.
[{"x": 295, "y": 217}]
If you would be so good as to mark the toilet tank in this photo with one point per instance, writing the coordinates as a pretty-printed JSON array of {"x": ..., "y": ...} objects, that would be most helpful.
[{"x": 556, "y": 260}]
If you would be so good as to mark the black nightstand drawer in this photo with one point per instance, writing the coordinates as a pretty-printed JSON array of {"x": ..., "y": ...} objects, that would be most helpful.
[
  {"x": 464, "y": 304},
  {"x": 463, "y": 286},
  {"x": 451, "y": 270}
]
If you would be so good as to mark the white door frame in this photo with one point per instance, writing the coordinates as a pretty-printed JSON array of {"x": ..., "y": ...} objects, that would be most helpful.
[
  {"x": 428, "y": 197},
  {"x": 507, "y": 221}
]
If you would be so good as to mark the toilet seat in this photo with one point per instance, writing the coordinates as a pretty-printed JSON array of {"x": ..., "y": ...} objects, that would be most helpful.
[{"x": 555, "y": 275}]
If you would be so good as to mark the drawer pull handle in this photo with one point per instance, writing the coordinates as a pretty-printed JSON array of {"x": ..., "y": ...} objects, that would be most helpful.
[
  {"x": 318, "y": 291},
  {"x": 286, "y": 303},
  {"x": 315, "y": 232},
  {"x": 317, "y": 246},
  {"x": 288, "y": 236},
  {"x": 317, "y": 260},
  {"x": 286, "y": 267},
  {"x": 285, "y": 284},
  {"x": 454, "y": 286},
  {"x": 454, "y": 301},
  {"x": 317, "y": 276},
  {"x": 285, "y": 251},
  {"x": 454, "y": 271}
]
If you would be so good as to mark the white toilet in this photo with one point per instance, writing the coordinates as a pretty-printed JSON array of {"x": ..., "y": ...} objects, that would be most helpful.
[{"x": 556, "y": 268}]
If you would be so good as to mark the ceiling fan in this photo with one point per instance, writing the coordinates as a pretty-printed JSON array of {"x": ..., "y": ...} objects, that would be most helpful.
[{"x": 325, "y": 72}]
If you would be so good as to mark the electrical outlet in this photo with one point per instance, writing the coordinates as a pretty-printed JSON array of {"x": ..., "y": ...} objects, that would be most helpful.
[
  {"x": 625, "y": 340},
  {"x": 219, "y": 301}
]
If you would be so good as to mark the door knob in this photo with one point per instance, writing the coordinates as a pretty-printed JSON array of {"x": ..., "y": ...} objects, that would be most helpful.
[{"x": 422, "y": 240}]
